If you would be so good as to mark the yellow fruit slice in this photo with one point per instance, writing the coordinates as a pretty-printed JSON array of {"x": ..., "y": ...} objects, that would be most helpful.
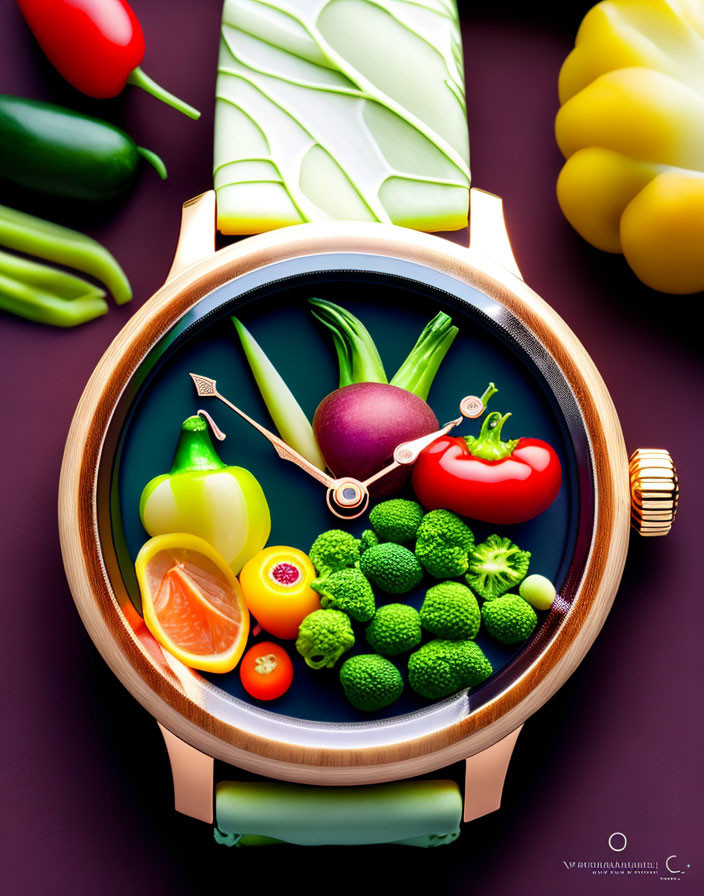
[{"x": 192, "y": 602}]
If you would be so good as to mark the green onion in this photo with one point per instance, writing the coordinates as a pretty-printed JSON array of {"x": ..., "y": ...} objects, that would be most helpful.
[
  {"x": 292, "y": 424},
  {"x": 45, "y": 294},
  {"x": 356, "y": 353},
  {"x": 41, "y": 238},
  {"x": 417, "y": 372}
]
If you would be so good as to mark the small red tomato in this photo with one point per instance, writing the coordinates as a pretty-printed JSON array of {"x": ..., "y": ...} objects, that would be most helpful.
[{"x": 266, "y": 671}]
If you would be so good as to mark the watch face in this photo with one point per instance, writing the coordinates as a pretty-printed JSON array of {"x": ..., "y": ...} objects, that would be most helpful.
[{"x": 395, "y": 300}]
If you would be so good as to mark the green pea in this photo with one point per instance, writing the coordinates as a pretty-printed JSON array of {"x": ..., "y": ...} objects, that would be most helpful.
[{"x": 538, "y": 591}]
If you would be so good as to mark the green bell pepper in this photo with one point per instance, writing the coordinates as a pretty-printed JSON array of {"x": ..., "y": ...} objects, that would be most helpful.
[{"x": 203, "y": 496}]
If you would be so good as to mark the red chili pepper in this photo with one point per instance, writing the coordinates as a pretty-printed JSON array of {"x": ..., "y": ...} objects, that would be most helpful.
[
  {"x": 97, "y": 45},
  {"x": 486, "y": 479}
]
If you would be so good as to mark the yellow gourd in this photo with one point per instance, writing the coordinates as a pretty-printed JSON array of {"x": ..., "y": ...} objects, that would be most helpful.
[{"x": 631, "y": 127}]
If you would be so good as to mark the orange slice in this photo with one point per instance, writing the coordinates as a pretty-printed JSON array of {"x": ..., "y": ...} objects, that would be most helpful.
[{"x": 192, "y": 603}]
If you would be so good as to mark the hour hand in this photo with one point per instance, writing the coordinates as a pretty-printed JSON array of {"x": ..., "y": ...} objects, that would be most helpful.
[{"x": 407, "y": 452}]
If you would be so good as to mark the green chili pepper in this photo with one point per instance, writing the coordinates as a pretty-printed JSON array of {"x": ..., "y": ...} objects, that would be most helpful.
[
  {"x": 48, "y": 295},
  {"x": 35, "y": 236},
  {"x": 63, "y": 153}
]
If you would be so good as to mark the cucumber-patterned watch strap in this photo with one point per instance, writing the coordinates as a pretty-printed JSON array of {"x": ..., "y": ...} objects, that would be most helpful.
[
  {"x": 340, "y": 109},
  {"x": 414, "y": 813}
]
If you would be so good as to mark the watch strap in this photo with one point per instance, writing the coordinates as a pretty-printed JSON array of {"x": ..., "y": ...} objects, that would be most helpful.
[
  {"x": 413, "y": 813},
  {"x": 341, "y": 110}
]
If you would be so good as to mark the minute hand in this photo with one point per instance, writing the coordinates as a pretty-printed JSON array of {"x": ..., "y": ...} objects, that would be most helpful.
[
  {"x": 407, "y": 452},
  {"x": 206, "y": 388}
]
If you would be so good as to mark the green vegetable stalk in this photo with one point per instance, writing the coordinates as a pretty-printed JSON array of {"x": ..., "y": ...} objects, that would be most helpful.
[
  {"x": 47, "y": 295},
  {"x": 356, "y": 353},
  {"x": 359, "y": 359},
  {"x": 44, "y": 239},
  {"x": 417, "y": 372},
  {"x": 288, "y": 416}
]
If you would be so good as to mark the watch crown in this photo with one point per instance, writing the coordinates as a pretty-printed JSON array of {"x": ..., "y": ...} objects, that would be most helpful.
[{"x": 654, "y": 491}]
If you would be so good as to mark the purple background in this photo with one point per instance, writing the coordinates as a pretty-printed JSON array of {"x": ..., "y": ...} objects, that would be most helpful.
[{"x": 85, "y": 783}]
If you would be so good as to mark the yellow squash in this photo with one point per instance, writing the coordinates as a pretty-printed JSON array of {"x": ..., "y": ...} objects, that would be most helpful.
[{"x": 631, "y": 127}]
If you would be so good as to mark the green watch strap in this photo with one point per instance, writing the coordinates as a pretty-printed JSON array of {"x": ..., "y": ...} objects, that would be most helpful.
[
  {"x": 343, "y": 110},
  {"x": 340, "y": 110},
  {"x": 413, "y": 813}
]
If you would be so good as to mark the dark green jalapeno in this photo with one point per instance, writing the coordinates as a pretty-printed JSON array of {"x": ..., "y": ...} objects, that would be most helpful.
[{"x": 64, "y": 153}]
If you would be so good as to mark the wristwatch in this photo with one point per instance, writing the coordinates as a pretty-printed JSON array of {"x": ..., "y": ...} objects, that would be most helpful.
[{"x": 340, "y": 137}]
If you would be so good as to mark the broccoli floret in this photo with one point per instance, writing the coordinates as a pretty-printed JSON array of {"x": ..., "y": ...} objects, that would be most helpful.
[
  {"x": 509, "y": 619},
  {"x": 370, "y": 682},
  {"x": 367, "y": 539},
  {"x": 440, "y": 668},
  {"x": 495, "y": 566},
  {"x": 347, "y": 590},
  {"x": 392, "y": 567},
  {"x": 450, "y": 610},
  {"x": 394, "y": 629},
  {"x": 443, "y": 544},
  {"x": 333, "y": 550},
  {"x": 396, "y": 520},
  {"x": 323, "y": 636}
]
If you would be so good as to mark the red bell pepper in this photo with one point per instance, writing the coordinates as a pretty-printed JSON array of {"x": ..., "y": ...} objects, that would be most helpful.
[
  {"x": 97, "y": 45},
  {"x": 487, "y": 479}
]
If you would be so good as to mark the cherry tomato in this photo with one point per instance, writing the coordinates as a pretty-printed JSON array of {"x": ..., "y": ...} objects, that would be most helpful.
[{"x": 266, "y": 671}]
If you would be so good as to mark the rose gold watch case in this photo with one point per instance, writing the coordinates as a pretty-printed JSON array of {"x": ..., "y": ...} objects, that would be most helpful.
[{"x": 188, "y": 706}]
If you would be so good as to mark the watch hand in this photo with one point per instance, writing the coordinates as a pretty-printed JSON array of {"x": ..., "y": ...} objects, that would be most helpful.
[
  {"x": 407, "y": 452},
  {"x": 206, "y": 388}
]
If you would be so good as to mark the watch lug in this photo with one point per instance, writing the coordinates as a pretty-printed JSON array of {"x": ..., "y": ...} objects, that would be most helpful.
[
  {"x": 192, "y": 773},
  {"x": 487, "y": 229},
  {"x": 196, "y": 238},
  {"x": 485, "y": 773}
]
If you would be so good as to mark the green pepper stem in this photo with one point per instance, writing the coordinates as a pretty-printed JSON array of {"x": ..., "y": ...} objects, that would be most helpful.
[
  {"x": 488, "y": 392},
  {"x": 488, "y": 444},
  {"x": 141, "y": 79},
  {"x": 154, "y": 160},
  {"x": 194, "y": 451}
]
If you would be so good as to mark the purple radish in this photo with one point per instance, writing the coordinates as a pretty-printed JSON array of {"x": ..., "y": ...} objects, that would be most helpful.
[{"x": 358, "y": 427}]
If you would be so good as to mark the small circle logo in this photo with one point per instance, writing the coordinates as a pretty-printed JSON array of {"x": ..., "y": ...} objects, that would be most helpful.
[
  {"x": 672, "y": 870},
  {"x": 618, "y": 841}
]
